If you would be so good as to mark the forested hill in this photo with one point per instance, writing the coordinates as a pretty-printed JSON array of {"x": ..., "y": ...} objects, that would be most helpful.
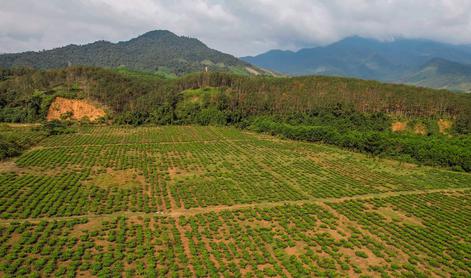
[
  {"x": 237, "y": 96},
  {"x": 159, "y": 50}
]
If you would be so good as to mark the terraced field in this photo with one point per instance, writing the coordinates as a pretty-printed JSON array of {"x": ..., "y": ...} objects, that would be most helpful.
[{"x": 211, "y": 202}]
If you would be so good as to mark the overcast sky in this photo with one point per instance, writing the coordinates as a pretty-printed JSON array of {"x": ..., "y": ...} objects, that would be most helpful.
[{"x": 239, "y": 27}]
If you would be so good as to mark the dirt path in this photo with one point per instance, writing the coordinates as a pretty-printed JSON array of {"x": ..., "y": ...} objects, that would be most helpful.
[
  {"x": 22, "y": 124},
  {"x": 194, "y": 211}
]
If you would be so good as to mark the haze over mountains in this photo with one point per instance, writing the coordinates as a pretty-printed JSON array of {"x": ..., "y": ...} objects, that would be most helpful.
[
  {"x": 158, "y": 50},
  {"x": 413, "y": 61}
]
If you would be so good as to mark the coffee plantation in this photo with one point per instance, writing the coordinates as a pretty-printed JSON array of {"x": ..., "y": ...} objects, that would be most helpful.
[{"x": 192, "y": 201}]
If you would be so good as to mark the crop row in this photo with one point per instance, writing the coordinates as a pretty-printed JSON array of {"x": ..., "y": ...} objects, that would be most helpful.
[
  {"x": 113, "y": 248},
  {"x": 104, "y": 135},
  {"x": 28, "y": 196},
  {"x": 200, "y": 174},
  {"x": 432, "y": 229},
  {"x": 296, "y": 241}
]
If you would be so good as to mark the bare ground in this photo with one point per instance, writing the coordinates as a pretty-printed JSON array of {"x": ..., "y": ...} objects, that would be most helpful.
[{"x": 79, "y": 109}]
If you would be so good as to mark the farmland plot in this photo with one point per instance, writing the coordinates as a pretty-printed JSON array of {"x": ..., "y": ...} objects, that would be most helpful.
[{"x": 209, "y": 201}]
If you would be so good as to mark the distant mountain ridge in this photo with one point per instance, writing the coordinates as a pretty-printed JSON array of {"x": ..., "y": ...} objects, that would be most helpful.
[
  {"x": 442, "y": 74},
  {"x": 156, "y": 50},
  {"x": 391, "y": 61}
]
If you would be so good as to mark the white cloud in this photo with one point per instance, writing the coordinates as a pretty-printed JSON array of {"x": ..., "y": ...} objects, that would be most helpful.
[{"x": 239, "y": 27}]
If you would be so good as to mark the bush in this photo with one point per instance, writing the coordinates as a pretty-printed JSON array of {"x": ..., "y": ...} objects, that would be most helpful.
[
  {"x": 211, "y": 116},
  {"x": 10, "y": 147},
  {"x": 56, "y": 127},
  {"x": 361, "y": 254}
]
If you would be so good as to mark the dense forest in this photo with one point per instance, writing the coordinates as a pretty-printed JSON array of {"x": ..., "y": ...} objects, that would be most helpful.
[
  {"x": 351, "y": 113},
  {"x": 247, "y": 96}
]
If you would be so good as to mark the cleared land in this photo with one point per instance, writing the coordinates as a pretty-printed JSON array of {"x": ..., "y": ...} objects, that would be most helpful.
[
  {"x": 206, "y": 201},
  {"x": 74, "y": 109}
]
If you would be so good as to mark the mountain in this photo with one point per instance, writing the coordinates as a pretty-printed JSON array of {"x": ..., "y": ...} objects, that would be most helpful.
[
  {"x": 390, "y": 61},
  {"x": 154, "y": 51},
  {"x": 443, "y": 74}
]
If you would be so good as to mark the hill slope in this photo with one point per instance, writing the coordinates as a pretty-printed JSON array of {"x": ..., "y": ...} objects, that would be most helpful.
[
  {"x": 363, "y": 58},
  {"x": 24, "y": 95},
  {"x": 155, "y": 50},
  {"x": 444, "y": 74}
]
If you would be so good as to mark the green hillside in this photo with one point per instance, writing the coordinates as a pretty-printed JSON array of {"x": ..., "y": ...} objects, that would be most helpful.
[
  {"x": 245, "y": 96},
  {"x": 156, "y": 51}
]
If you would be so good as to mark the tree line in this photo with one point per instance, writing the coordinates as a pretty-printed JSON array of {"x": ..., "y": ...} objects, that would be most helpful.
[
  {"x": 454, "y": 153},
  {"x": 245, "y": 95}
]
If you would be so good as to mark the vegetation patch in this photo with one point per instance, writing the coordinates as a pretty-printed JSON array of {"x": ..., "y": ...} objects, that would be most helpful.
[
  {"x": 454, "y": 153},
  {"x": 15, "y": 139}
]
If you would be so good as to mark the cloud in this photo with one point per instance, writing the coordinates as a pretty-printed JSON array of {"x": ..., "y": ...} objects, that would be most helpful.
[{"x": 239, "y": 27}]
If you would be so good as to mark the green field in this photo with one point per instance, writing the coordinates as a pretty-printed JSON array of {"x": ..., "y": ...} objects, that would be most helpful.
[{"x": 218, "y": 202}]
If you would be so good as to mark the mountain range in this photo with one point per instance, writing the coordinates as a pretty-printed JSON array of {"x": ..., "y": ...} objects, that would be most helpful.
[
  {"x": 412, "y": 61},
  {"x": 158, "y": 50},
  {"x": 443, "y": 74}
]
